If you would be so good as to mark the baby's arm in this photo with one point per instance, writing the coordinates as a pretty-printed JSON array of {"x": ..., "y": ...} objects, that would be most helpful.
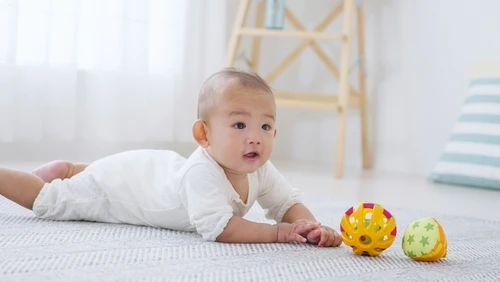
[
  {"x": 296, "y": 212},
  {"x": 202, "y": 193},
  {"x": 240, "y": 230}
]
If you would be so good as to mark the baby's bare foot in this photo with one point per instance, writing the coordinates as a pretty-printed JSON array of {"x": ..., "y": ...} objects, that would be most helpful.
[{"x": 53, "y": 170}]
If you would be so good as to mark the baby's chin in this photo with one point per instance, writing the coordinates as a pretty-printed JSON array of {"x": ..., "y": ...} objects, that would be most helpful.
[
  {"x": 243, "y": 168},
  {"x": 253, "y": 168}
]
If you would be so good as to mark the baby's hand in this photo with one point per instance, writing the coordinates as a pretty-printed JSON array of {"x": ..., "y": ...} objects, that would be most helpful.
[
  {"x": 289, "y": 232},
  {"x": 324, "y": 236}
]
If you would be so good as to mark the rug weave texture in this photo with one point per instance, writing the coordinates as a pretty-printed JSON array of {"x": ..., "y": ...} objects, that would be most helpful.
[{"x": 32, "y": 249}]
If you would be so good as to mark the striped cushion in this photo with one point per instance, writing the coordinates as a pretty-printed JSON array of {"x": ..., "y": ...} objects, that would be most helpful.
[{"x": 472, "y": 155}]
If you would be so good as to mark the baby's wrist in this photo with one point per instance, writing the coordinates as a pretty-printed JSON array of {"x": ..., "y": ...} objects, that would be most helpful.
[
  {"x": 280, "y": 238},
  {"x": 269, "y": 233}
]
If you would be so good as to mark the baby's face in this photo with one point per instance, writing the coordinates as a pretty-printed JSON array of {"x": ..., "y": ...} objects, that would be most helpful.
[{"x": 241, "y": 129}]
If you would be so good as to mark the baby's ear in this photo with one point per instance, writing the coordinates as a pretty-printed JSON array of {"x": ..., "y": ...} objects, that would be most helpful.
[{"x": 200, "y": 133}]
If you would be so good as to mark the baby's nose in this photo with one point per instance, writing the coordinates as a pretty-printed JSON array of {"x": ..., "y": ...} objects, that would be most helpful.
[{"x": 254, "y": 139}]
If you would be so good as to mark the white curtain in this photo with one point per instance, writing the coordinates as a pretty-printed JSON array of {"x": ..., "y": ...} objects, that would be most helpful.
[{"x": 106, "y": 70}]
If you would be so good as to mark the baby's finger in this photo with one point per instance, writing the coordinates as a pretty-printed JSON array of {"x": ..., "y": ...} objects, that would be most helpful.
[
  {"x": 331, "y": 239},
  {"x": 314, "y": 236},
  {"x": 306, "y": 227},
  {"x": 324, "y": 237},
  {"x": 298, "y": 238},
  {"x": 304, "y": 222},
  {"x": 338, "y": 239}
]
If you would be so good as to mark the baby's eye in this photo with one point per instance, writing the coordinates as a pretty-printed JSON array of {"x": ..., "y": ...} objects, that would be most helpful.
[
  {"x": 239, "y": 125},
  {"x": 266, "y": 127}
]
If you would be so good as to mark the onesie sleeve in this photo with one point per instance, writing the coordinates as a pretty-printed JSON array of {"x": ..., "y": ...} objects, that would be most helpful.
[
  {"x": 276, "y": 194},
  {"x": 202, "y": 193}
]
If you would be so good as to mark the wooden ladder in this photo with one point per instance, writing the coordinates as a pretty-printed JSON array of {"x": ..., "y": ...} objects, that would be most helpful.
[{"x": 347, "y": 98}]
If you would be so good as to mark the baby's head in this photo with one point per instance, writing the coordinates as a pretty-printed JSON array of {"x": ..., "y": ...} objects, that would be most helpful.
[{"x": 236, "y": 119}]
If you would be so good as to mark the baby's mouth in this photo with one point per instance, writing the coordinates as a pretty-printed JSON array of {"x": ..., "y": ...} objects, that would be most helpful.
[{"x": 251, "y": 155}]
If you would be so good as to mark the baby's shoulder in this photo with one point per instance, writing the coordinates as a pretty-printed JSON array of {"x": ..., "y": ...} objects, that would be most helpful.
[
  {"x": 199, "y": 163},
  {"x": 200, "y": 174}
]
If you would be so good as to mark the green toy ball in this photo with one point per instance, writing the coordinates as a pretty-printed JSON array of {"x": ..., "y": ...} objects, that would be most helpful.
[{"x": 424, "y": 240}]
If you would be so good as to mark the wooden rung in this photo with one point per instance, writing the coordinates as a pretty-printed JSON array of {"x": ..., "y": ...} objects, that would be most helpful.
[
  {"x": 291, "y": 33},
  {"x": 312, "y": 101}
]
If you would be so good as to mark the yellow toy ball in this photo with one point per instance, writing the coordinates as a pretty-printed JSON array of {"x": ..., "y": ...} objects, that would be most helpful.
[
  {"x": 424, "y": 240},
  {"x": 368, "y": 229}
]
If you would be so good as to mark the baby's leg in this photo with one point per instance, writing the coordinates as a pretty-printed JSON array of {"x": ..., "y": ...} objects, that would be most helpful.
[
  {"x": 58, "y": 170},
  {"x": 80, "y": 197},
  {"x": 19, "y": 186}
]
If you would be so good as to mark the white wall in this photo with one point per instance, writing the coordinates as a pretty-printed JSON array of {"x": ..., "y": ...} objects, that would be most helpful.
[{"x": 420, "y": 56}]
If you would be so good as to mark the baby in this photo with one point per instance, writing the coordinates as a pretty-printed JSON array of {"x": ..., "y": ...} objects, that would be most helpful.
[{"x": 209, "y": 192}]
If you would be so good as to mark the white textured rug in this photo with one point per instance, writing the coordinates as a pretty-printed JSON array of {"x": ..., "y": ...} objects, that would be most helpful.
[{"x": 40, "y": 250}]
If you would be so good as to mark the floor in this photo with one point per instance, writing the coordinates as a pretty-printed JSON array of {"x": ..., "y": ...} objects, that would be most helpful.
[{"x": 386, "y": 188}]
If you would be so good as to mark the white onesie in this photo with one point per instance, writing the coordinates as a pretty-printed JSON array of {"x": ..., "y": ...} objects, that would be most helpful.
[{"x": 160, "y": 188}]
